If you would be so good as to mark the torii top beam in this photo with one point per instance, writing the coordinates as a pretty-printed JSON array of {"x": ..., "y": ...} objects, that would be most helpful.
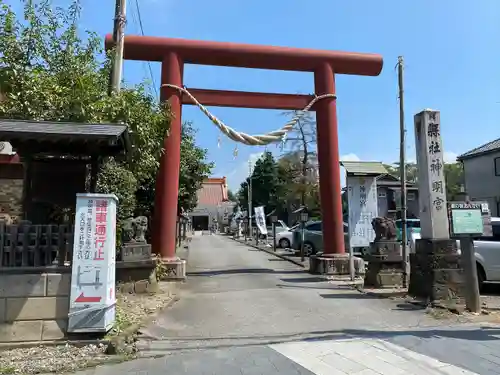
[{"x": 146, "y": 48}]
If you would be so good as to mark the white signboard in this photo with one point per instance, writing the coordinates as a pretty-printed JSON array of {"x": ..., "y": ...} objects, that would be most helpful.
[
  {"x": 363, "y": 208},
  {"x": 260, "y": 219},
  {"x": 92, "y": 299}
]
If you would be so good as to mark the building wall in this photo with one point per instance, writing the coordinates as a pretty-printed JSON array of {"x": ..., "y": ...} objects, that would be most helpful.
[
  {"x": 481, "y": 182},
  {"x": 385, "y": 195},
  {"x": 11, "y": 189},
  {"x": 34, "y": 306}
]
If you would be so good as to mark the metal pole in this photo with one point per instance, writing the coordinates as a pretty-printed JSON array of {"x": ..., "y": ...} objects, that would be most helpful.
[
  {"x": 274, "y": 237},
  {"x": 472, "y": 297},
  {"x": 302, "y": 257},
  {"x": 250, "y": 197},
  {"x": 119, "y": 40},
  {"x": 402, "y": 170}
]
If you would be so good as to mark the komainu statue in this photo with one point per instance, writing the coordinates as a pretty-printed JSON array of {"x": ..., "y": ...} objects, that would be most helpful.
[
  {"x": 385, "y": 229},
  {"x": 134, "y": 229}
]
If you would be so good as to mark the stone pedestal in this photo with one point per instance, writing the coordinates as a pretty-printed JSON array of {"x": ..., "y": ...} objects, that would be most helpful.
[
  {"x": 134, "y": 251},
  {"x": 334, "y": 264},
  {"x": 385, "y": 265},
  {"x": 173, "y": 269},
  {"x": 436, "y": 274}
]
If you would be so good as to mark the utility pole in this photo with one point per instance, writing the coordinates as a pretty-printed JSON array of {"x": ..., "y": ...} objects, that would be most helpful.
[
  {"x": 402, "y": 170},
  {"x": 250, "y": 229},
  {"x": 118, "y": 39}
]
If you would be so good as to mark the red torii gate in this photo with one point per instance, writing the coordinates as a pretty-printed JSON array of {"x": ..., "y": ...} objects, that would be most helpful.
[{"x": 174, "y": 53}]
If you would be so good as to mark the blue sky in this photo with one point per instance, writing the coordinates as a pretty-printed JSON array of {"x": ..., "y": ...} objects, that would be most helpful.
[{"x": 450, "y": 48}]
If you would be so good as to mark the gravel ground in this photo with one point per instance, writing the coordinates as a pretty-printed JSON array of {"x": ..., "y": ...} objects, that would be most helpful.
[{"x": 131, "y": 309}]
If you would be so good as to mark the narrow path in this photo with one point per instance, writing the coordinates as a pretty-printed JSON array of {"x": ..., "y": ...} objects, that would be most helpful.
[{"x": 243, "y": 311}]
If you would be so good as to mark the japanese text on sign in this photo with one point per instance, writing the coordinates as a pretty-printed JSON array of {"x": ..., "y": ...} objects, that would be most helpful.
[
  {"x": 363, "y": 208},
  {"x": 436, "y": 165},
  {"x": 100, "y": 228}
]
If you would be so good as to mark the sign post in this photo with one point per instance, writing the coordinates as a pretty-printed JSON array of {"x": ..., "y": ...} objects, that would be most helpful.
[
  {"x": 467, "y": 222},
  {"x": 92, "y": 297},
  {"x": 363, "y": 208}
]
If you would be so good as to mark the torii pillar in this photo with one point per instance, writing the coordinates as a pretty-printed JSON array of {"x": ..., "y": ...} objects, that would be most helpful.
[{"x": 175, "y": 53}]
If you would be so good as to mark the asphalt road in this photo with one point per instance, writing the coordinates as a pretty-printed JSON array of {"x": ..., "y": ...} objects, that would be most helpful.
[{"x": 243, "y": 311}]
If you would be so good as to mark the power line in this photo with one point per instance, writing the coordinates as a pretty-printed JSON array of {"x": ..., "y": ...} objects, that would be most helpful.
[
  {"x": 136, "y": 24},
  {"x": 142, "y": 32}
]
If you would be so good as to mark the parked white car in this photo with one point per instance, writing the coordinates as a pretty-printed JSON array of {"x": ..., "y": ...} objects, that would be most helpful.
[
  {"x": 487, "y": 251},
  {"x": 284, "y": 239}
]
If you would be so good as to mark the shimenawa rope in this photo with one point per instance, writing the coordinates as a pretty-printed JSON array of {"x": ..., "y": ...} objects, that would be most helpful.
[{"x": 247, "y": 139}]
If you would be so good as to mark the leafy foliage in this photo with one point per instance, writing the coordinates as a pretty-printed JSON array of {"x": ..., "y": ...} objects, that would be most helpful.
[
  {"x": 231, "y": 196},
  {"x": 453, "y": 173},
  {"x": 265, "y": 184},
  {"x": 113, "y": 178},
  {"x": 194, "y": 170},
  {"x": 48, "y": 71}
]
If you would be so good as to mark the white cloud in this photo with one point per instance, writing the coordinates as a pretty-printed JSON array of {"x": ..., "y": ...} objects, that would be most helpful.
[
  {"x": 350, "y": 157},
  {"x": 450, "y": 157},
  {"x": 240, "y": 173}
]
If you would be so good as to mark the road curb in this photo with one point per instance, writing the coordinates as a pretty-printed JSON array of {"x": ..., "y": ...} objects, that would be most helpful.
[
  {"x": 284, "y": 257},
  {"x": 117, "y": 343}
]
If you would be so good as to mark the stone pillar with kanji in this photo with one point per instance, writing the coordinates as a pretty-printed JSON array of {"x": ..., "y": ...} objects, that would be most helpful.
[{"x": 435, "y": 272}]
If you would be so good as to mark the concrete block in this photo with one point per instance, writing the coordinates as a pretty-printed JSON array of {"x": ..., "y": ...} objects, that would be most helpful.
[
  {"x": 174, "y": 269},
  {"x": 335, "y": 264},
  {"x": 58, "y": 284},
  {"x": 141, "y": 286},
  {"x": 54, "y": 329},
  {"x": 22, "y": 285},
  {"x": 32, "y": 308},
  {"x": 21, "y": 331}
]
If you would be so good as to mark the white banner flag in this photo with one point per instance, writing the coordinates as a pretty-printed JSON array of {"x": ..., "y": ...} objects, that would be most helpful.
[
  {"x": 260, "y": 219},
  {"x": 363, "y": 208}
]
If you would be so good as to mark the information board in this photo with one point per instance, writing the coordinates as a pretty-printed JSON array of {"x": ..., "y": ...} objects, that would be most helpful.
[
  {"x": 363, "y": 208},
  {"x": 92, "y": 298},
  {"x": 467, "y": 218}
]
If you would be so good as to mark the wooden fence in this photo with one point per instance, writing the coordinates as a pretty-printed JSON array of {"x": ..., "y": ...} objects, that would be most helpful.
[{"x": 27, "y": 245}]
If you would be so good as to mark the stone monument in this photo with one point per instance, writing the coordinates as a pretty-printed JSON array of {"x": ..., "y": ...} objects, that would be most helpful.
[
  {"x": 134, "y": 245},
  {"x": 385, "y": 259},
  {"x": 435, "y": 270}
]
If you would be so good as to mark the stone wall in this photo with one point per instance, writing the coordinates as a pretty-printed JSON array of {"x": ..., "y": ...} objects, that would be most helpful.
[
  {"x": 11, "y": 193},
  {"x": 34, "y": 306}
]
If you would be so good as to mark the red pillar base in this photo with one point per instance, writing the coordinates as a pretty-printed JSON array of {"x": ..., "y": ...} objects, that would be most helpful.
[{"x": 335, "y": 265}]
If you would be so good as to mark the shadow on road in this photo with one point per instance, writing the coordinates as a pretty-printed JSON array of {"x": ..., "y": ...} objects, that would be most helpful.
[
  {"x": 473, "y": 334},
  {"x": 241, "y": 271},
  {"x": 304, "y": 279},
  {"x": 355, "y": 295}
]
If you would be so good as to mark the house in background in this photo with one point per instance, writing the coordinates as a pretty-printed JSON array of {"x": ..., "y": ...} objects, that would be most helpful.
[
  {"x": 388, "y": 189},
  {"x": 482, "y": 174},
  {"x": 213, "y": 205}
]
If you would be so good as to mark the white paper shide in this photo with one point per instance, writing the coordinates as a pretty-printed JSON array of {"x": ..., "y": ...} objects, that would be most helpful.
[
  {"x": 92, "y": 299},
  {"x": 363, "y": 208}
]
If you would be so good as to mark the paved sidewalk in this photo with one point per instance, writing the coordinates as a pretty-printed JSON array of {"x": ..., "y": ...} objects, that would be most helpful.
[{"x": 243, "y": 311}]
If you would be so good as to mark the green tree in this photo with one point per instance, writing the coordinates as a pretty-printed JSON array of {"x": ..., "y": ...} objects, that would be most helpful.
[
  {"x": 50, "y": 72},
  {"x": 265, "y": 184},
  {"x": 411, "y": 171},
  {"x": 231, "y": 196},
  {"x": 453, "y": 173},
  {"x": 194, "y": 169}
]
